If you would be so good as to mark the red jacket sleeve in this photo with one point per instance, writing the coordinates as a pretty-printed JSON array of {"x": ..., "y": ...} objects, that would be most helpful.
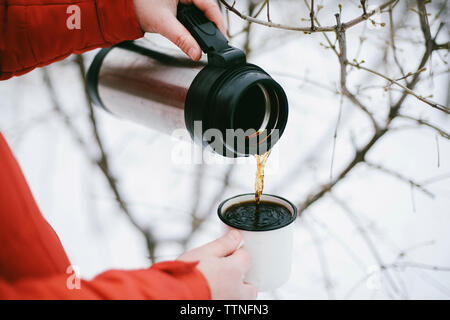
[
  {"x": 33, "y": 262},
  {"x": 34, "y": 33},
  {"x": 163, "y": 281}
]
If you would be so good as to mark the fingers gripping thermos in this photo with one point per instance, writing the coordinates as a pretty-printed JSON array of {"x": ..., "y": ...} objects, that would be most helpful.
[{"x": 166, "y": 91}]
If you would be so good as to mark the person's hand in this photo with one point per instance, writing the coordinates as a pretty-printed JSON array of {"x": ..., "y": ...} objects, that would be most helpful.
[
  {"x": 224, "y": 267},
  {"x": 159, "y": 16}
]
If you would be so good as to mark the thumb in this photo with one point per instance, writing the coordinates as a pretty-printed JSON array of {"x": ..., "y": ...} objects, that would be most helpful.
[
  {"x": 173, "y": 30},
  {"x": 224, "y": 246}
]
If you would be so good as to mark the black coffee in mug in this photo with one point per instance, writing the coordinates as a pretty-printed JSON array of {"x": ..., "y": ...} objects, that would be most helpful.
[
  {"x": 253, "y": 216},
  {"x": 267, "y": 236}
]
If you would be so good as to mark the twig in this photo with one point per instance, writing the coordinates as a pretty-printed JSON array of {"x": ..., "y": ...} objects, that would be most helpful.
[
  {"x": 402, "y": 266},
  {"x": 352, "y": 254},
  {"x": 264, "y": 5},
  {"x": 413, "y": 199},
  {"x": 438, "y": 152},
  {"x": 363, "y": 5},
  {"x": 425, "y": 26},
  {"x": 405, "y": 88},
  {"x": 322, "y": 260},
  {"x": 342, "y": 57},
  {"x": 403, "y": 253},
  {"x": 246, "y": 46},
  {"x": 97, "y": 162},
  {"x": 360, "y": 154},
  {"x": 268, "y": 11},
  {"x": 358, "y": 158},
  {"x": 370, "y": 244},
  {"x": 306, "y": 81},
  {"x": 343, "y": 61},
  {"x": 423, "y": 122},
  {"x": 103, "y": 163},
  {"x": 393, "y": 46},
  {"x": 400, "y": 177},
  {"x": 201, "y": 219},
  {"x": 197, "y": 195},
  {"x": 433, "y": 282},
  {"x": 311, "y": 15},
  {"x": 407, "y": 264},
  {"x": 410, "y": 74},
  {"x": 271, "y": 24},
  {"x": 335, "y": 137},
  {"x": 341, "y": 37},
  {"x": 359, "y": 283},
  {"x": 436, "y": 179}
]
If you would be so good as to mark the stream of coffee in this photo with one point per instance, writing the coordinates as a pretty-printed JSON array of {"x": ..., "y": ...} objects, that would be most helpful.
[
  {"x": 258, "y": 214},
  {"x": 259, "y": 181}
]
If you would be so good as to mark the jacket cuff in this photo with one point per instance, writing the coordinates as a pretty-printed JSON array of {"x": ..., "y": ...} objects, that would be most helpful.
[
  {"x": 118, "y": 21},
  {"x": 189, "y": 276}
]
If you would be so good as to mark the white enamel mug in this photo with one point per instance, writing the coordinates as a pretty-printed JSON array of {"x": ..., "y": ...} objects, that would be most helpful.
[{"x": 269, "y": 249}]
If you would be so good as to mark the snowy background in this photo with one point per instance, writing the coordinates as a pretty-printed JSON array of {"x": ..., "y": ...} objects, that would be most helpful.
[{"x": 389, "y": 240}]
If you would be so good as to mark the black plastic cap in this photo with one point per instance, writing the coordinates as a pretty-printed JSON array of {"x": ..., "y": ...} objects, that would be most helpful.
[{"x": 236, "y": 98}]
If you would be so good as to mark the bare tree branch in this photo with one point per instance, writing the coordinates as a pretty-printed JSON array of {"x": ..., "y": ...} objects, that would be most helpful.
[
  {"x": 370, "y": 244},
  {"x": 200, "y": 219},
  {"x": 342, "y": 57},
  {"x": 311, "y": 16},
  {"x": 400, "y": 177},
  {"x": 405, "y": 88},
  {"x": 361, "y": 153},
  {"x": 102, "y": 162},
  {"x": 271, "y": 24},
  {"x": 423, "y": 122},
  {"x": 328, "y": 285}
]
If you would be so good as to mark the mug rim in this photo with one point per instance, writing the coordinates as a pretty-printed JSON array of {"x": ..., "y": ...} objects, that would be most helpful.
[{"x": 294, "y": 216}]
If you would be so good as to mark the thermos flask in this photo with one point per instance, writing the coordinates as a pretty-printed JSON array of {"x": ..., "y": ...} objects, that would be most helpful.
[{"x": 212, "y": 100}]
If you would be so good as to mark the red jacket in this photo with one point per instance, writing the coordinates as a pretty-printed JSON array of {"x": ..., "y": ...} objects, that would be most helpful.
[
  {"x": 34, "y": 33},
  {"x": 33, "y": 263}
]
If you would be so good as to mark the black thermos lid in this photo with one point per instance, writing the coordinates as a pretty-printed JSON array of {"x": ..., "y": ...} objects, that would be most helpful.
[{"x": 233, "y": 106}]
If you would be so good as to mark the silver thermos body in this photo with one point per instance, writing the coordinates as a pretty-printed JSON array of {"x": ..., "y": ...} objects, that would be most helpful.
[
  {"x": 145, "y": 86},
  {"x": 232, "y": 106}
]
